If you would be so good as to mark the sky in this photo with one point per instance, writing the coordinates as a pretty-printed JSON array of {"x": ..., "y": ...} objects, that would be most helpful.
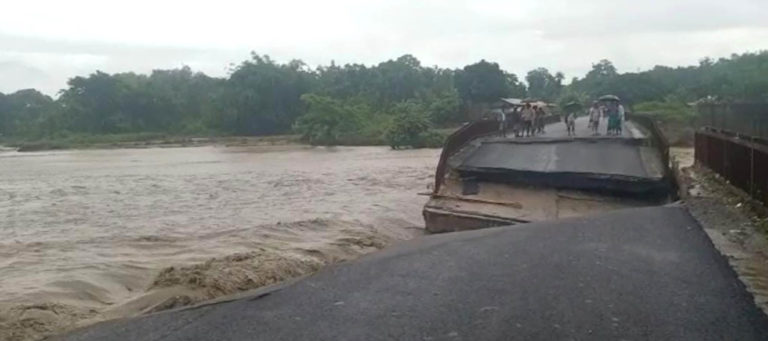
[{"x": 44, "y": 43}]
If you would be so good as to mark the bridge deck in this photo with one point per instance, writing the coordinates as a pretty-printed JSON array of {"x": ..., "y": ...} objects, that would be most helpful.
[
  {"x": 603, "y": 156},
  {"x": 556, "y": 152},
  {"x": 496, "y": 181}
]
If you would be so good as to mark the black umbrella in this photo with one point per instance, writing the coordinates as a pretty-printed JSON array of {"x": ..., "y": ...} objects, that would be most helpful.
[
  {"x": 572, "y": 106},
  {"x": 610, "y": 98}
]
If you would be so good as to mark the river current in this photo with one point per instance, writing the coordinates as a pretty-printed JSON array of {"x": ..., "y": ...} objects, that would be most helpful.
[{"x": 95, "y": 234}]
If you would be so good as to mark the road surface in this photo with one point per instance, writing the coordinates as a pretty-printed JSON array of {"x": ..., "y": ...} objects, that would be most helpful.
[
  {"x": 601, "y": 157},
  {"x": 553, "y": 159},
  {"x": 638, "y": 274}
]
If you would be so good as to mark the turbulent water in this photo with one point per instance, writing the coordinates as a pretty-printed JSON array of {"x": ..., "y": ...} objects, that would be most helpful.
[{"x": 89, "y": 235}]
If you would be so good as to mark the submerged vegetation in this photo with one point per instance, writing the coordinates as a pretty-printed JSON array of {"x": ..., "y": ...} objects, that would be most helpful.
[{"x": 399, "y": 102}]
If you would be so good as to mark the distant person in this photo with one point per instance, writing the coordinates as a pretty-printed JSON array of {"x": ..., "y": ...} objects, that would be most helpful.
[
  {"x": 540, "y": 119},
  {"x": 621, "y": 113},
  {"x": 570, "y": 123},
  {"x": 594, "y": 118},
  {"x": 502, "y": 123},
  {"x": 515, "y": 121},
  {"x": 614, "y": 124},
  {"x": 528, "y": 115}
]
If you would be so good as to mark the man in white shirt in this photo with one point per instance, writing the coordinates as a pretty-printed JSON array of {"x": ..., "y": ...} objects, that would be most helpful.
[
  {"x": 594, "y": 118},
  {"x": 529, "y": 115},
  {"x": 621, "y": 118}
]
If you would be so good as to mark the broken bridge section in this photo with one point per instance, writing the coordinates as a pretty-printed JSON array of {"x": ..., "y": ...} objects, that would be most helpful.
[
  {"x": 493, "y": 181},
  {"x": 614, "y": 166}
]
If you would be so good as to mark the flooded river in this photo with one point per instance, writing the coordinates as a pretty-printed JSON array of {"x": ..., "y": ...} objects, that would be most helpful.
[{"x": 89, "y": 235}]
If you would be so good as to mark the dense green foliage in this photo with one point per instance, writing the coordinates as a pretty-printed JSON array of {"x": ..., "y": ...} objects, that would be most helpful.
[
  {"x": 670, "y": 110},
  {"x": 329, "y": 121},
  {"x": 739, "y": 78},
  {"x": 396, "y": 102},
  {"x": 411, "y": 128}
]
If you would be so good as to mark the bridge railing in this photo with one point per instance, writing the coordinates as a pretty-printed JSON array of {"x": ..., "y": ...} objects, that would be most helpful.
[
  {"x": 740, "y": 159},
  {"x": 748, "y": 119},
  {"x": 459, "y": 139},
  {"x": 657, "y": 138}
]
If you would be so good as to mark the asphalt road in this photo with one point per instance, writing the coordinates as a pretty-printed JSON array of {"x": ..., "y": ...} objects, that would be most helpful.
[
  {"x": 641, "y": 274},
  {"x": 598, "y": 157}
]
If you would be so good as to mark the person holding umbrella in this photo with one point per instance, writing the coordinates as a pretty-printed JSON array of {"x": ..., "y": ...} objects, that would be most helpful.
[{"x": 612, "y": 111}]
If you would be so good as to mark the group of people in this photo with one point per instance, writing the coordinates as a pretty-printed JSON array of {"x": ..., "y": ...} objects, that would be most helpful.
[
  {"x": 525, "y": 121},
  {"x": 612, "y": 110},
  {"x": 528, "y": 120}
]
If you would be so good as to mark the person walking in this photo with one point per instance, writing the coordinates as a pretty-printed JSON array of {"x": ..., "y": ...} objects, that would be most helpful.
[
  {"x": 570, "y": 123},
  {"x": 540, "y": 119},
  {"x": 516, "y": 121},
  {"x": 613, "y": 118},
  {"x": 502, "y": 122},
  {"x": 594, "y": 118},
  {"x": 620, "y": 124},
  {"x": 528, "y": 115}
]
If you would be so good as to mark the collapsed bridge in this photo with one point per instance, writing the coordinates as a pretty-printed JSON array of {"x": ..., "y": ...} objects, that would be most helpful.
[{"x": 485, "y": 180}]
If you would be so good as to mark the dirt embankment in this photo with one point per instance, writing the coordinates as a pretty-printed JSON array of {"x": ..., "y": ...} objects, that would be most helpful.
[{"x": 737, "y": 226}]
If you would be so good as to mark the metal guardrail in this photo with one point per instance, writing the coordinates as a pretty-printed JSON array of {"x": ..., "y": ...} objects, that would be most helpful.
[
  {"x": 740, "y": 159},
  {"x": 741, "y": 136},
  {"x": 457, "y": 140},
  {"x": 749, "y": 119},
  {"x": 657, "y": 138}
]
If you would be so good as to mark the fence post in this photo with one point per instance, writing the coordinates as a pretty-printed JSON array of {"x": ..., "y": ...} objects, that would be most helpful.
[
  {"x": 724, "y": 160},
  {"x": 755, "y": 124}
]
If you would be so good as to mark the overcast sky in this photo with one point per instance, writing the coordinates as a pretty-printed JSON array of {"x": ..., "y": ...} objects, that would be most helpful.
[{"x": 43, "y": 43}]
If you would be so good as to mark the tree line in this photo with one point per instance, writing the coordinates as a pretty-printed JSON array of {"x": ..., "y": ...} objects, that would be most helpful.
[{"x": 398, "y": 101}]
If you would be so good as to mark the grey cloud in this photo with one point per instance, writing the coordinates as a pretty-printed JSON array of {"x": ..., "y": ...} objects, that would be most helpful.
[
  {"x": 559, "y": 34},
  {"x": 47, "y": 64},
  {"x": 17, "y": 76}
]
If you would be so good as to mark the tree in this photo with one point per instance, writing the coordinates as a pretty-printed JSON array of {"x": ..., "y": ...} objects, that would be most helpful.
[
  {"x": 516, "y": 88},
  {"x": 543, "y": 85},
  {"x": 399, "y": 80},
  {"x": 603, "y": 69},
  {"x": 327, "y": 121},
  {"x": 353, "y": 103},
  {"x": 22, "y": 112},
  {"x": 444, "y": 107},
  {"x": 264, "y": 96},
  {"x": 482, "y": 82},
  {"x": 411, "y": 128}
]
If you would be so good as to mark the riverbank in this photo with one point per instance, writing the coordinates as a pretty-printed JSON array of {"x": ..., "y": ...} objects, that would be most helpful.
[
  {"x": 146, "y": 140},
  {"x": 159, "y": 140}
]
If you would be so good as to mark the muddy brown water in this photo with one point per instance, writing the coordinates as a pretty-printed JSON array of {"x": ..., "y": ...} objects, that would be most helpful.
[{"x": 84, "y": 235}]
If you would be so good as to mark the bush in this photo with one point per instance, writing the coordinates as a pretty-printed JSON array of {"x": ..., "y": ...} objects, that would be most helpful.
[
  {"x": 328, "y": 121},
  {"x": 675, "y": 119},
  {"x": 430, "y": 139},
  {"x": 411, "y": 128},
  {"x": 667, "y": 111}
]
